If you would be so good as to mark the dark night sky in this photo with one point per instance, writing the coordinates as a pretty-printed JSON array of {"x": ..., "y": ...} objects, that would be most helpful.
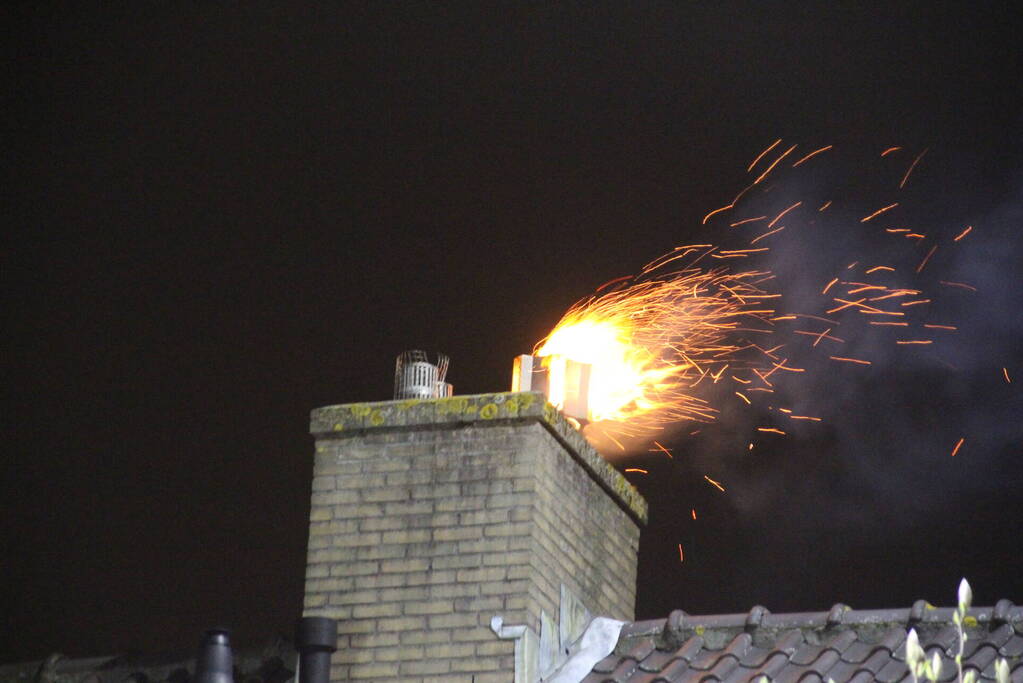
[{"x": 225, "y": 215}]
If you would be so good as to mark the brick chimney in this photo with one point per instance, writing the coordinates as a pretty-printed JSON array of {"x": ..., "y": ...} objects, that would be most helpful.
[{"x": 431, "y": 517}]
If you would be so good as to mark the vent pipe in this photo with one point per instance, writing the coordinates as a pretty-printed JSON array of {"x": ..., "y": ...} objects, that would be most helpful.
[
  {"x": 315, "y": 640},
  {"x": 215, "y": 663}
]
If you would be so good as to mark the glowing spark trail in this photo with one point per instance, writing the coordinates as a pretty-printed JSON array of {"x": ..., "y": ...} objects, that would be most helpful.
[
  {"x": 714, "y": 483},
  {"x": 879, "y": 212},
  {"x": 762, "y": 154},
  {"x": 911, "y": 167},
  {"x": 958, "y": 446},
  {"x": 812, "y": 155},
  {"x": 964, "y": 233}
]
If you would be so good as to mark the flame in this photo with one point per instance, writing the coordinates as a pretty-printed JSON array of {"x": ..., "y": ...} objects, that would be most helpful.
[{"x": 649, "y": 342}]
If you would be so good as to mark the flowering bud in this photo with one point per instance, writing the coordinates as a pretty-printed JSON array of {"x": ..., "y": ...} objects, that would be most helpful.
[
  {"x": 935, "y": 667},
  {"x": 914, "y": 653},
  {"x": 965, "y": 595},
  {"x": 1001, "y": 671}
]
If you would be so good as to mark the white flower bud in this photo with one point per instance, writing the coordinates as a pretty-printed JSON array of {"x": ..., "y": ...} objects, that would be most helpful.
[
  {"x": 1001, "y": 671},
  {"x": 914, "y": 653},
  {"x": 965, "y": 595}
]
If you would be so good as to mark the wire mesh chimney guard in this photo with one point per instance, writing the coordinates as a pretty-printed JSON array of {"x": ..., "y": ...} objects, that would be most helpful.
[{"x": 416, "y": 377}]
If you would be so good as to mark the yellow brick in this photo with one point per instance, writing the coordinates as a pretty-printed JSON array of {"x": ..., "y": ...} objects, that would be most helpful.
[
  {"x": 437, "y": 666},
  {"x": 377, "y": 670},
  {"x": 452, "y": 620},
  {"x": 429, "y": 607},
  {"x": 320, "y": 513},
  {"x": 406, "y": 536},
  {"x": 400, "y": 624},
  {"x": 392, "y": 609}
]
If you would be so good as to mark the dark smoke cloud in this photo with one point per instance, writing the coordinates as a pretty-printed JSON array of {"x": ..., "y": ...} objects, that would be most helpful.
[{"x": 881, "y": 457}]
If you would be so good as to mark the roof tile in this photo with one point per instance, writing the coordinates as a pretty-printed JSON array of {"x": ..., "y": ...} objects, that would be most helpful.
[
  {"x": 674, "y": 671},
  {"x": 755, "y": 657},
  {"x": 807, "y": 654},
  {"x": 843, "y": 645},
  {"x": 725, "y": 666},
  {"x": 877, "y": 660},
  {"x": 983, "y": 657},
  {"x": 842, "y": 640},
  {"x": 857, "y": 652},
  {"x": 893, "y": 671},
  {"x": 623, "y": 672},
  {"x": 607, "y": 664},
  {"x": 825, "y": 662},
  {"x": 656, "y": 660},
  {"x": 1013, "y": 647}
]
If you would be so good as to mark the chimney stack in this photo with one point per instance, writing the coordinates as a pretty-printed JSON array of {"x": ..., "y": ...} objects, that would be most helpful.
[{"x": 431, "y": 517}]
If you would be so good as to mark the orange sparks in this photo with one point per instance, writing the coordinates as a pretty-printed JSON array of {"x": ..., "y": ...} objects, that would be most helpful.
[
  {"x": 850, "y": 360},
  {"x": 782, "y": 366},
  {"x": 963, "y": 233},
  {"x": 911, "y": 167},
  {"x": 746, "y": 220},
  {"x": 614, "y": 281},
  {"x": 805, "y": 417},
  {"x": 820, "y": 336},
  {"x": 636, "y": 469},
  {"x": 914, "y": 236},
  {"x": 915, "y": 341},
  {"x": 926, "y": 258},
  {"x": 959, "y": 445},
  {"x": 940, "y": 327},
  {"x": 845, "y": 303},
  {"x": 743, "y": 398},
  {"x": 771, "y": 167},
  {"x": 890, "y": 150},
  {"x": 693, "y": 511},
  {"x": 875, "y": 322},
  {"x": 957, "y": 284},
  {"x": 762, "y": 154},
  {"x": 877, "y": 268},
  {"x": 659, "y": 448},
  {"x": 1005, "y": 372},
  {"x": 751, "y": 445},
  {"x": 766, "y": 234},
  {"x": 723, "y": 208},
  {"x": 878, "y": 212},
  {"x": 681, "y": 555},
  {"x": 894, "y": 230},
  {"x": 828, "y": 286},
  {"x": 824, "y": 206},
  {"x": 812, "y": 155},
  {"x": 778, "y": 217},
  {"x": 914, "y": 303},
  {"x": 771, "y": 430},
  {"x": 714, "y": 483}
]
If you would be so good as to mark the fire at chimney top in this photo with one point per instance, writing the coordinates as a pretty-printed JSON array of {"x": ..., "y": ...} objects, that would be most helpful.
[
  {"x": 416, "y": 377},
  {"x": 565, "y": 382}
]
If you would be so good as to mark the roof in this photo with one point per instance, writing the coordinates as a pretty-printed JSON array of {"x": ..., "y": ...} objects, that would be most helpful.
[
  {"x": 271, "y": 665},
  {"x": 843, "y": 645}
]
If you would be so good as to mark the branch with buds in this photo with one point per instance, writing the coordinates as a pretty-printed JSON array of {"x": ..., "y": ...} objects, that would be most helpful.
[{"x": 921, "y": 667}]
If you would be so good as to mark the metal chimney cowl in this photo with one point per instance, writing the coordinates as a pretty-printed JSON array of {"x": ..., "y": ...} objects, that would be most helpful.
[{"x": 416, "y": 377}]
